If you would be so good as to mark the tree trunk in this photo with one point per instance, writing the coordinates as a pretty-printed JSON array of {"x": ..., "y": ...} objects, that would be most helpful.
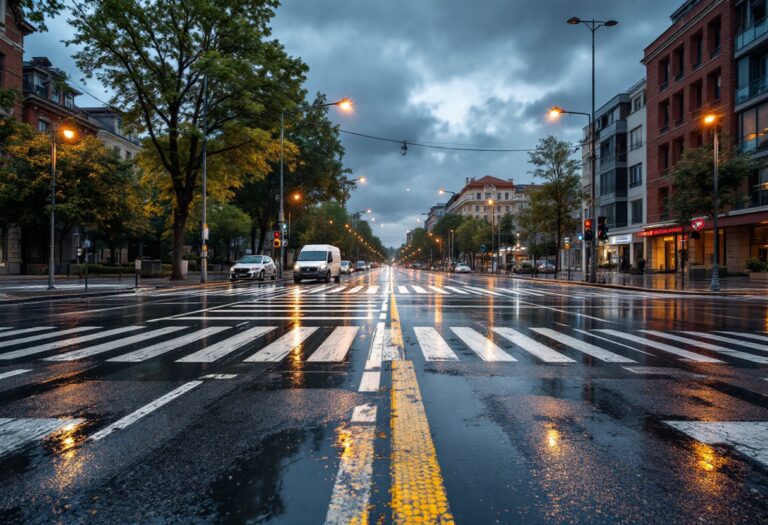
[
  {"x": 253, "y": 236},
  {"x": 180, "y": 214}
]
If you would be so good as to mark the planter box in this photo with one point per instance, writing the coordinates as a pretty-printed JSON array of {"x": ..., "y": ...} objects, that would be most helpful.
[{"x": 758, "y": 276}]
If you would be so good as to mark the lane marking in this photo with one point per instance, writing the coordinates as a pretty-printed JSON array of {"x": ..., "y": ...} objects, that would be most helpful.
[
  {"x": 352, "y": 488},
  {"x": 532, "y": 346},
  {"x": 364, "y": 414},
  {"x": 317, "y": 290},
  {"x": 372, "y": 290},
  {"x": 336, "y": 290},
  {"x": 714, "y": 348},
  {"x": 403, "y": 289},
  {"x": 419, "y": 289},
  {"x": 482, "y": 291},
  {"x": 748, "y": 336},
  {"x": 219, "y": 376},
  {"x": 223, "y": 348},
  {"x": 273, "y": 318},
  {"x": 685, "y": 354},
  {"x": 12, "y": 373},
  {"x": 113, "y": 345},
  {"x": 25, "y": 331},
  {"x": 396, "y": 347},
  {"x": 336, "y": 345},
  {"x": 456, "y": 290},
  {"x": 748, "y": 437},
  {"x": 583, "y": 346},
  {"x": 131, "y": 418},
  {"x": 17, "y": 432},
  {"x": 731, "y": 340},
  {"x": 280, "y": 348},
  {"x": 48, "y": 335},
  {"x": 617, "y": 343},
  {"x": 166, "y": 346},
  {"x": 370, "y": 381},
  {"x": 481, "y": 345},
  {"x": 418, "y": 492},
  {"x": 433, "y": 346},
  {"x": 658, "y": 370},
  {"x": 354, "y": 289},
  {"x": 67, "y": 342},
  {"x": 438, "y": 290},
  {"x": 376, "y": 351},
  {"x": 382, "y": 316}
]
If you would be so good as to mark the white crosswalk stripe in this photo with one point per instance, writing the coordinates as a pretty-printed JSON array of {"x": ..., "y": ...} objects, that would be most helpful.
[
  {"x": 17, "y": 432},
  {"x": 372, "y": 290},
  {"x": 437, "y": 289},
  {"x": 279, "y": 349},
  {"x": 113, "y": 345},
  {"x": 67, "y": 342},
  {"x": 403, "y": 289},
  {"x": 418, "y": 289},
  {"x": 456, "y": 290},
  {"x": 685, "y": 354},
  {"x": 336, "y": 290},
  {"x": 730, "y": 340},
  {"x": 167, "y": 346},
  {"x": 482, "y": 346},
  {"x": 12, "y": 373},
  {"x": 209, "y": 354},
  {"x": 748, "y": 437},
  {"x": 354, "y": 289},
  {"x": 748, "y": 336},
  {"x": 433, "y": 346},
  {"x": 25, "y": 331},
  {"x": 48, "y": 335},
  {"x": 714, "y": 348},
  {"x": 582, "y": 346},
  {"x": 482, "y": 291},
  {"x": 532, "y": 346},
  {"x": 336, "y": 345}
]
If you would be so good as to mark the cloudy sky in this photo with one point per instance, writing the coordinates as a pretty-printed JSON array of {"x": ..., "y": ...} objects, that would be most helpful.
[{"x": 476, "y": 73}]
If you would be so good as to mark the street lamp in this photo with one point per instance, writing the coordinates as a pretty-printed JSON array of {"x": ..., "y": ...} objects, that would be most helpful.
[
  {"x": 69, "y": 134},
  {"x": 491, "y": 204},
  {"x": 443, "y": 191},
  {"x": 714, "y": 285},
  {"x": 593, "y": 25},
  {"x": 345, "y": 104}
]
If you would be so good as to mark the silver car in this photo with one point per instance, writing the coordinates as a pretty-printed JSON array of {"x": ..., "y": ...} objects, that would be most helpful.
[{"x": 253, "y": 267}]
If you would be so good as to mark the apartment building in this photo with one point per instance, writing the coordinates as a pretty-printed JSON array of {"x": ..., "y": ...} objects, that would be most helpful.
[{"x": 472, "y": 199}]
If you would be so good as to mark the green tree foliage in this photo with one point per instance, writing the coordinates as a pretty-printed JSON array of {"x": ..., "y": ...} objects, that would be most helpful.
[
  {"x": 229, "y": 225},
  {"x": 693, "y": 182},
  {"x": 154, "y": 57},
  {"x": 560, "y": 195},
  {"x": 313, "y": 170},
  {"x": 94, "y": 187}
]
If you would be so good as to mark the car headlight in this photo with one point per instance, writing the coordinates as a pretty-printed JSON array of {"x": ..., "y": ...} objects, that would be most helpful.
[
  {"x": 323, "y": 266},
  {"x": 296, "y": 267}
]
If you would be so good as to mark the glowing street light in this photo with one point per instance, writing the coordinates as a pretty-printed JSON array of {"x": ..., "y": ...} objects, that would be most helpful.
[
  {"x": 714, "y": 285},
  {"x": 69, "y": 134}
]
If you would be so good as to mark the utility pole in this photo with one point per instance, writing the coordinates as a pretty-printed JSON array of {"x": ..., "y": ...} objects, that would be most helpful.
[{"x": 204, "y": 218}]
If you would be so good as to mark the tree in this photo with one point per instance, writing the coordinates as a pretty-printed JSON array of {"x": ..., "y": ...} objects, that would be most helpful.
[
  {"x": 693, "y": 182},
  {"x": 533, "y": 221},
  {"x": 446, "y": 224},
  {"x": 155, "y": 57},
  {"x": 228, "y": 225},
  {"x": 313, "y": 170},
  {"x": 561, "y": 193},
  {"x": 37, "y": 10}
]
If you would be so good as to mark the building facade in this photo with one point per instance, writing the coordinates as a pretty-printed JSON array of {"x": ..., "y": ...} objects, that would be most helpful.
[
  {"x": 472, "y": 200},
  {"x": 435, "y": 213},
  {"x": 691, "y": 72}
]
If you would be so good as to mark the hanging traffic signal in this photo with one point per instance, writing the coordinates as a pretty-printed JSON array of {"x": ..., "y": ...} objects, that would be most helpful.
[
  {"x": 602, "y": 229},
  {"x": 588, "y": 234},
  {"x": 276, "y": 242}
]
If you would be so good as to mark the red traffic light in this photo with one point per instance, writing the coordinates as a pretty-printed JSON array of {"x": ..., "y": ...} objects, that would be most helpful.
[{"x": 276, "y": 235}]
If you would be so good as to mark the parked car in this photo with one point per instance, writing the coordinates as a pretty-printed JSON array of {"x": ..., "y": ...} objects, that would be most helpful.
[
  {"x": 374, "y": 265},
  {"x": 360, "y": 266},
  {"x": 253, "y": 267},
  {"x": 523, "y": 267},
  {"x": 462, "y": 268},
  {"x": 546, "y": 267},
  {"x": 318, "y": 261},
  {"x": 347, "y": 268}
]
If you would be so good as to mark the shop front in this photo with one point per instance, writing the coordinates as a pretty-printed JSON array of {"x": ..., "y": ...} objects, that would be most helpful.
[
  {"x": 621, "y": 252},
  {"x": 663, "y": 248}
]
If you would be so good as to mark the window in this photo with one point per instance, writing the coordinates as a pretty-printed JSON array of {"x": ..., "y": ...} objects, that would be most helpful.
[
  {"x": 664, "y": 115},
  {"x": 697, "y": 49},
  {"x": 663, "y": 157},
  {"x": 2, "y": 20},
  {"x": 678, "y": 147},
  {"x": 506, "y": 195},
  {"x": 498, "y": 196},
  {"x": 128, "y": 155},
  {"x": 679, "y": 107},
  {"x": 54, "y": 93},
  {"x": 477, "y": 208},
  {"x": 479, "y": 196},
  {"x": 637, "y": 212},
  {"x": 697, "y": 95},
  {"x": 638, "y": 102},
  {"x": 636, "y": 138},
  {"x": 507, "y": 207},
  {"x": 607, "y": 182},
  {"x": 715, "y": 36},
  {"x": 69, "y": 101},
  {"x": 42, "y": 126},
  {"x": 636, "y": 175},
  {"x": 679, "y": 57},
  {"x": 716, "y": 85},
  {"x": 664, "y": 72}
]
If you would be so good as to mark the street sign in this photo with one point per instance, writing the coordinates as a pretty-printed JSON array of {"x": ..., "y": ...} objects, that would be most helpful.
[
  {"x": 205, "y": 232},
  {"x": 87, "y": 243},
  {"x": 285, "y": 243},
  {"x": 697, "y": 224},
  {"x": 137, "y": 265}
]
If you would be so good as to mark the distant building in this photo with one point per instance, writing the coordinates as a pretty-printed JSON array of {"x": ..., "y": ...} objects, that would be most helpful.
[
  {"x": 436, "y": 212},
  {"x": 472, "y": 200}
]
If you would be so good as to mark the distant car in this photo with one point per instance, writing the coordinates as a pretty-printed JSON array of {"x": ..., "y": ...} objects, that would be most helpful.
[
  {"x": 360, "y": 266},
  {"x": 462, "y": 268},
  {"x": 546, "y": 267},
  {"x": 374, "y": 265},
  {"x": 347, "y": 268},
  {"x": 253, "y": 267},
  {"x": 523, "y": 267}
]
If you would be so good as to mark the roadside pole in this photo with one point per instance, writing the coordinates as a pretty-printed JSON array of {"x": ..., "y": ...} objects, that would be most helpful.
[{"x": 137, "y": 271}]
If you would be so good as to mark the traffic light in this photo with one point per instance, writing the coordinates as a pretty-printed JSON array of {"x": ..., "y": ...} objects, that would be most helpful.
[
  {"x": 602, "y": 229},
  {"x": 567, "y": 244},
  {"x": 588, "y": 235},
  {"x": 276, "y": 242}
]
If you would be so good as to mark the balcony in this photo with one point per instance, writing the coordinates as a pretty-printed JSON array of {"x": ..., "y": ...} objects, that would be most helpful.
[
  {"x": 756, "y": 87},
  {"x": 751, "y": 34}
]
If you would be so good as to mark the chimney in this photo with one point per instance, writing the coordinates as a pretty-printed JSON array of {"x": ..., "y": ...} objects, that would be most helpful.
[{"x": 466, "y": 180}]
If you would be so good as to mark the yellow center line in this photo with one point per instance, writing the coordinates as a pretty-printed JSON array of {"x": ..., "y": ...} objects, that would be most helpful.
[{"x": 418, "y": 492}]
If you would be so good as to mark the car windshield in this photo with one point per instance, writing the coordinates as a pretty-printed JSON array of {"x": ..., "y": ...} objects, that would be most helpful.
[
  {"x": 312, "y": 256},
  {"x": 360, "y": 263},
  {"x": 345, "y": 263},
  {"x": 251, "y": 259}
]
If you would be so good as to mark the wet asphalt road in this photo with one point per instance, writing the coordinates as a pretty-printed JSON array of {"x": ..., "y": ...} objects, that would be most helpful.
[{"x": 270, "y": 403}]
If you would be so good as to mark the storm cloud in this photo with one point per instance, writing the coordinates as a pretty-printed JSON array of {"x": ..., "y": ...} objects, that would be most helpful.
[{"x": 446, "y": 71}]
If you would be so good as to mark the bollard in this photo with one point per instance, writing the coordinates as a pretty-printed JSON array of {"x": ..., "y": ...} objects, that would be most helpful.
[{"x": 137, "y": 267}]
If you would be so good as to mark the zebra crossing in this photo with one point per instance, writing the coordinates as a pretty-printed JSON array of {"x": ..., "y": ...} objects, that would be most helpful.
[{"x": 190, "y": 343}]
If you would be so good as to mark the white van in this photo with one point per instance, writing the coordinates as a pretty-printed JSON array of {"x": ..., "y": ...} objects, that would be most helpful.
[{"x": 318, "y": 261}]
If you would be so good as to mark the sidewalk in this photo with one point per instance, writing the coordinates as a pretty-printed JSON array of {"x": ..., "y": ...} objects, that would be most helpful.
[
  {"x": 659, "y": 282},
  {"x": 15, "y": 288}
]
